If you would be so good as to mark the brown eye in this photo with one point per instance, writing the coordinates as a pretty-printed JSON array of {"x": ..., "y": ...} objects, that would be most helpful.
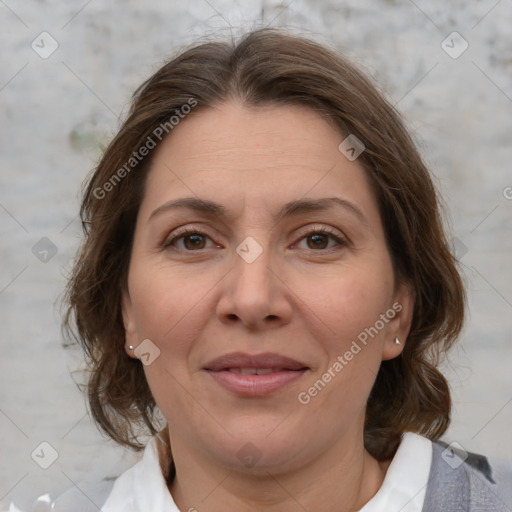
[
  {"x": 192, "y": 241},
  {"x": 318, "y": 240},
  {"x": 196, "y": 241}
]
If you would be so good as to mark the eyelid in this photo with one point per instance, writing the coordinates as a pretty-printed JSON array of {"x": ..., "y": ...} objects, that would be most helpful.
[
  {"x": 179, "y": 233},
  {"x": 314, "y": 228}
]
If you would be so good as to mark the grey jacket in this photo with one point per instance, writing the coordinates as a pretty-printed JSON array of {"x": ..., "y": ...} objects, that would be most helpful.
[
  {"x": 469, "y": 485},
  {"x": 458, "y": 482}
]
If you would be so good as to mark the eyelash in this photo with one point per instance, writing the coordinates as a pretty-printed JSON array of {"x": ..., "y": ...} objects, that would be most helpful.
[{"x": 189, "y": 231}]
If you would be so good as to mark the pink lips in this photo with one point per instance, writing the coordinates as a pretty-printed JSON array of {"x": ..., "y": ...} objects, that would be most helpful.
[{"x": 254, "y": 375}]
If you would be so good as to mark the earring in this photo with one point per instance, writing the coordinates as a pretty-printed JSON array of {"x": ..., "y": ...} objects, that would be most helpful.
[
  {"x": 130, "y": 347},
  {"x": 397, "y": 341}
]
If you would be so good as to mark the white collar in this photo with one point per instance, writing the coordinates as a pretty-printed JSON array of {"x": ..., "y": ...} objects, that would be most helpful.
[
  {"x": 405, "y": 484},
  {"x": 143, "y": 487}
]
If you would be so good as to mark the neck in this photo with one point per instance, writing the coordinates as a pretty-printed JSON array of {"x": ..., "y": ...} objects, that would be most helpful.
[{"x": 344, "y": 479}]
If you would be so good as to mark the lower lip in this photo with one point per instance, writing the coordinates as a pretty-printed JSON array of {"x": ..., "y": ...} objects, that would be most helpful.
[{"x": 255, "y": 385}]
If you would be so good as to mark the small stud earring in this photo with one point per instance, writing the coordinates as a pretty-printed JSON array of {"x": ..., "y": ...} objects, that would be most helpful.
[
  {"x": 130, "y": 347},
  {"x": 397, "y": 341}
]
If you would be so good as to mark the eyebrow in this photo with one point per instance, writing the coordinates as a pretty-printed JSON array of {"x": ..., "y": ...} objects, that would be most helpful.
[{"x": 293, "y": 208}]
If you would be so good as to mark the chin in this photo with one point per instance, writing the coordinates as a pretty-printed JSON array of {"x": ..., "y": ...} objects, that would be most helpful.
[{"x": 257, "y": 449}]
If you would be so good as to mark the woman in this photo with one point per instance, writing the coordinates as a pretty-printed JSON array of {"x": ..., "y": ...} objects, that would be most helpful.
[{"x": 265, "y": 265}]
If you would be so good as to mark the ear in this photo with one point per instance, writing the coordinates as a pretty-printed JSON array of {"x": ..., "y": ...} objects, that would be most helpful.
[
  {"x": 129, "y": 324},
  {"x": 400, "y": 324}
]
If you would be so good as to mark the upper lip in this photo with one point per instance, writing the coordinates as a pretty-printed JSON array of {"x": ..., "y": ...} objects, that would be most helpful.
[{"x": 266, "y": 360}]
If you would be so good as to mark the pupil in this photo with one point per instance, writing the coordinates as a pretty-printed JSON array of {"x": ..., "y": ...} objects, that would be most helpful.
[
  {"x": 195, "y": 240},
  {"x": 318, "y": 237}
]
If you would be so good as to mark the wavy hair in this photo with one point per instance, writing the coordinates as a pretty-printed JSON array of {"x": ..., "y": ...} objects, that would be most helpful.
[{"x": 269, "y": 66}]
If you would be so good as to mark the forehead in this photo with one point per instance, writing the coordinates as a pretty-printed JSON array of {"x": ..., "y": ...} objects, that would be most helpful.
[
  {"x": 232, "y": 130},
  {"x": 264, "y": 156}
]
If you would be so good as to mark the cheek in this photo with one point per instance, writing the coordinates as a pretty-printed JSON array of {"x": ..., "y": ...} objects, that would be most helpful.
[
  {"x": 351, "y": 302},
  {"x": 170, "y": 309},
  {"x": 172, "y": 318},
  {"x": 167, "y": 306},
  {"x": 357, "y": 311}
]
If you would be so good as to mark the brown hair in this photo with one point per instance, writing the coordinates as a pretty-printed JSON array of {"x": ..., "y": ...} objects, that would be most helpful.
[{"x": 269, "y": 66}]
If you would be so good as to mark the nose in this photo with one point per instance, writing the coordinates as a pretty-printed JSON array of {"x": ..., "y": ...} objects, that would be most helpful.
[{"x": 254, "y": 292}]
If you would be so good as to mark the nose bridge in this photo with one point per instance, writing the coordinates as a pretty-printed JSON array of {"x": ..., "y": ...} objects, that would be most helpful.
[
  {"x": 252, "y": 290},
  {"x": 251, "y": 272}
]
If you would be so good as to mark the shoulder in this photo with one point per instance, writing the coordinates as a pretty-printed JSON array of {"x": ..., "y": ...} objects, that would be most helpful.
[
  {"x": 126, "y": 492},
  {"x": 461, "y": 480},
  {"x": 82, "y": 497}
]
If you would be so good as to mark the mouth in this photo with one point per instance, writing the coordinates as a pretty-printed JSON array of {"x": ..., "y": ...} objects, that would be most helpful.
[{"x": 255, "y": 375}]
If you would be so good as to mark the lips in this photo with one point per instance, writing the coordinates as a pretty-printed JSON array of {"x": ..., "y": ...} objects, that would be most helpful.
[
  {"x": 263, "y": 361},
  {"x": 254, "y": 375}
]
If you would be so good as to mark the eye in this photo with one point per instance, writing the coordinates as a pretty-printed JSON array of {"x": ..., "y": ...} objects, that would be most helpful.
[
  {"x": 192, "y": 240},
  {"x": 319, "y": 239}
]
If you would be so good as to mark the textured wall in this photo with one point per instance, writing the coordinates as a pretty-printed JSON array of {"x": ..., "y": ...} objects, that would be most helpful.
[{"x": 58, "y": 107}]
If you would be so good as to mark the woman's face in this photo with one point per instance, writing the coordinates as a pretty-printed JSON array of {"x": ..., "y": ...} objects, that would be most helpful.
[{"x": 268, "y": 321}]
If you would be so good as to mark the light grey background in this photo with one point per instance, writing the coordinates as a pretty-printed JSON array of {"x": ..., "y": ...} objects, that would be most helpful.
[{"x": 56, "y": 111}]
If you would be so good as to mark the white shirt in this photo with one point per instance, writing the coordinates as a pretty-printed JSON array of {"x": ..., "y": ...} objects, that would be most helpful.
[
  {"x": 405, "y": 484},
  {"x": 143, "y": 488}
]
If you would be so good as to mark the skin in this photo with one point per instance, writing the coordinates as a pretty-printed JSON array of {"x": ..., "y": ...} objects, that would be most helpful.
[{"x": 302, "y": 297}]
